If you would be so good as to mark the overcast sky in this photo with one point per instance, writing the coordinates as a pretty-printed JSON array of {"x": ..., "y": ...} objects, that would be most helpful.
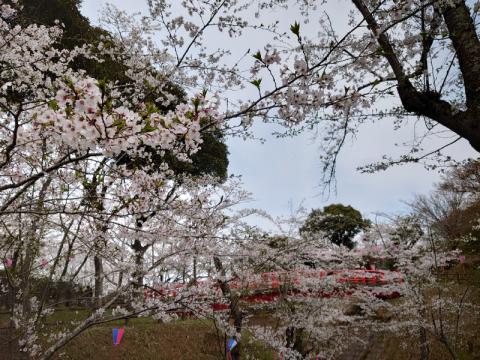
[{"x": 282, "y": 173}]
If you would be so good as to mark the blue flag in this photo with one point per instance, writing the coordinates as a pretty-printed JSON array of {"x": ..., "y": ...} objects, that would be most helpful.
[
  {"x": 231, "y": 344},
  {"x": 115, "y": 336}
]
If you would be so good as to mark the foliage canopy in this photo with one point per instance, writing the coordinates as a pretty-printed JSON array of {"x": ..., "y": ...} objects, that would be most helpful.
[{"x": 340, "y": 223}]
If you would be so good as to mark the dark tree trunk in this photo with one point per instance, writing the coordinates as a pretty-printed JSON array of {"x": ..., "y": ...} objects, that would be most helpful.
[
  {"x": 424, "y": 348},
  {"x": 236, "y": 315},
  {"x": 99, "y": 276},
  {"x": 139, "y": 254},
  {"x": 462, "y": 33}
]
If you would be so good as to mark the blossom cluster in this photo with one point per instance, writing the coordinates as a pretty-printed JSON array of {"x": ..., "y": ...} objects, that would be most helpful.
[{"x": 78, "y": 117}]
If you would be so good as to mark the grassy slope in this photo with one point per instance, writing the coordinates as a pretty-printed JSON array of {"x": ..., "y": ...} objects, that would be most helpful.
[{"x": 147, "y": 339}]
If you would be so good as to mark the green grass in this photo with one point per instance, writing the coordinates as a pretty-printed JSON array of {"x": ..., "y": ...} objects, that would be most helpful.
[{"x": 147, "y": 339}]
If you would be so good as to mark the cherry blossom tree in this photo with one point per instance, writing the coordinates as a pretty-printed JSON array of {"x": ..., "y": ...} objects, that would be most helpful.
[
  {"x": 401, "y": 60},
  {"x": 327, "y": 310},
  {"x": 72, "y": 190},
  {"x": 63, "y": 137}
]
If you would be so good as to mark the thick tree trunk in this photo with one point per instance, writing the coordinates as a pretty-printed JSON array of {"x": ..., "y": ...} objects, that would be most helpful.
[
  {"x": 139, "y": 265},
  {"x": 462, "y": 33},
  {"x": 139, "y": 251},
  {"x": 463, "y": 123},
  {"x": 99, "y": 276},
  {"x": 236, "y": 315},
  {"x": 429, "y": 104},
  {"x": 424, "y": 348}
]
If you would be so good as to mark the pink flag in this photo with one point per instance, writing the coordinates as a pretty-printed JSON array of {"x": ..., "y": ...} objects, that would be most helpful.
[
  {"x": 8, "y": 262},
  {"x": 120, "y": 335},
  {"x": 461, "y": 258}
]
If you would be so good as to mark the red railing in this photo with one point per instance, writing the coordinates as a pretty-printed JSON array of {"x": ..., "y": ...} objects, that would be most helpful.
[{"x": 266, "y": 287}]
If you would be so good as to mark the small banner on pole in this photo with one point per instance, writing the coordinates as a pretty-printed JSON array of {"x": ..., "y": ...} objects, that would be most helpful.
[
  {"x": 230, "y": 346},
  {"x": 117, "y": 336}
]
